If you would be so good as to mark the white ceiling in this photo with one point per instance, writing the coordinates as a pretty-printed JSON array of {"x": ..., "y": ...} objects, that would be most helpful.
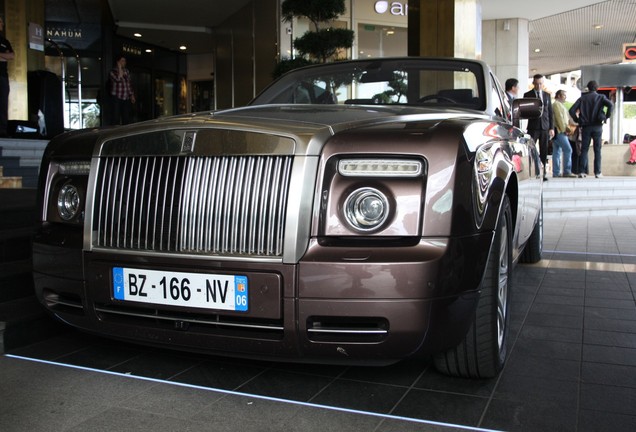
[{"x": 563, "y": 30}]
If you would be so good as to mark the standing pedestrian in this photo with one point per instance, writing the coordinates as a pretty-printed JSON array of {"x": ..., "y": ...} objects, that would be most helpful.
[
  {"x": 590, "y": 111},
  {"x": 632, "y": 153},
  {"x": 121, "y": 91},
  {"x": 6, "y": 54},
  {"x": 512, "y": 89},
  {"x": 575, "y": 142},
  {"x": 560, "y": 143},
  {"x": 541, "y": 129}
]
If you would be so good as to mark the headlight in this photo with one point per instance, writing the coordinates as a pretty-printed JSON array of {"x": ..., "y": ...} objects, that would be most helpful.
[
  {"x": 68, "y": 202},
  {"x": 366, "y": 209}
]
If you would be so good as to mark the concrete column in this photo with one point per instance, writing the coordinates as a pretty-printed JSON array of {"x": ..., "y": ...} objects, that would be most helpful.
[
  {"x": 444, "y": 28},
  {"x": 18, "y": 14},
  {"x": 506, "y": 49}
]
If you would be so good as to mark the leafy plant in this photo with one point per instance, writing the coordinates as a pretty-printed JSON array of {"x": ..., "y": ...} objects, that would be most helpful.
[
  {"x": 288, "y": 64},
  {"x": 323, "y": 44},
  {"x": 316, "y": 11},
  {"x": 397, "y": 87}
]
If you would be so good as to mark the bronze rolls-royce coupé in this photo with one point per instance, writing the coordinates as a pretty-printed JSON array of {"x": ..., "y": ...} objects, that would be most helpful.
[{"x": 356, "y": 212}]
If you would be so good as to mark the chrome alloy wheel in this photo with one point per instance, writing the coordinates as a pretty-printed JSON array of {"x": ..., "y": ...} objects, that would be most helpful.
[{"x": 502, "y": 284}]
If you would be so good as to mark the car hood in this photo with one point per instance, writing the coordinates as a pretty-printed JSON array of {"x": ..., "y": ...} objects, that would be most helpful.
[
  {"x": 335, "y": 117},
  {"x": 309, "y": 126}
]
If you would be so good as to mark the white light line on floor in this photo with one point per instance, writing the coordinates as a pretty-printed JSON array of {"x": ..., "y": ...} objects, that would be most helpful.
[
  {"x": 585, "y": 265},
  {"x": 591, "y": 253},
  {"x": 255, "y": 396}
]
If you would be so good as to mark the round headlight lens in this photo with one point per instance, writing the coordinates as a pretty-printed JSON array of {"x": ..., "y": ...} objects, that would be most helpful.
[
  {"x": 68, "y": 202},
  {"x": 366, "y": 209}
]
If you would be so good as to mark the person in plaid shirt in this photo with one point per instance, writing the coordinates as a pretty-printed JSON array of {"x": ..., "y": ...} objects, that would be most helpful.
[
  {"x": 121, "y": 90},
  {"x": 6, "y": 54}
]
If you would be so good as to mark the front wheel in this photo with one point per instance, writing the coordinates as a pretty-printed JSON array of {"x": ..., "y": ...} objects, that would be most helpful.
[{"x": 482, "y": 353}]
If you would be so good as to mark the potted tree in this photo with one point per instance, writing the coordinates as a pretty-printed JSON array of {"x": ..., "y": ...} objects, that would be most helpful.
[{"x": 325, "y": 42}]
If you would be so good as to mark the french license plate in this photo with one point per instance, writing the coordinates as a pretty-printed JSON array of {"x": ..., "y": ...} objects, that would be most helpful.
[{"x": 209, "y": 291}]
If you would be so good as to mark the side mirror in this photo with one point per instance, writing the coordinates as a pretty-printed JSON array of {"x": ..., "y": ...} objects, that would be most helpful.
[{"x": 526, "y": 108}]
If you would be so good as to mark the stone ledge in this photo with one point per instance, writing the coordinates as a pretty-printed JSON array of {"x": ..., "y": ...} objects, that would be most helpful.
[
  {"x": 613, "y": 161},
  {"x": 10, "y": 182}
]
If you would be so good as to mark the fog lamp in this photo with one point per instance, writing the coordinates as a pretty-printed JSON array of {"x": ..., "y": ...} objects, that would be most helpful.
[
  {"x": 68, "y": 202},
  {"x": 366, "y": 209}
]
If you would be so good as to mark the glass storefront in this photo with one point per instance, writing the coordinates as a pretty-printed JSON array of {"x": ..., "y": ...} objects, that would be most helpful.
[
  {"x": 380, "y": 29},
  {"x": 381, "y": 41}
]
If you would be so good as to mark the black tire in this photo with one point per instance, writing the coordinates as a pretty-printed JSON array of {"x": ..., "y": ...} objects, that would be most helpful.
[
  {"x": 533, "y": 250},
  {"x": 483, "y": 352}
]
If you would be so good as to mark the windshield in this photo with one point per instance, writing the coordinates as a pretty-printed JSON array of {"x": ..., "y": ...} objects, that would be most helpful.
[{"x": 405, "y": 81}]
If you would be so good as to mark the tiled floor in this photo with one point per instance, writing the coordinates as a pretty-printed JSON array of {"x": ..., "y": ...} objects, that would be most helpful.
[{"x": 572, "y": 367}]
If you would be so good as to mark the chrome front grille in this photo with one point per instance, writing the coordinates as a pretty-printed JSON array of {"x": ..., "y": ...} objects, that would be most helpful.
[{"x": 225, "y": 205}]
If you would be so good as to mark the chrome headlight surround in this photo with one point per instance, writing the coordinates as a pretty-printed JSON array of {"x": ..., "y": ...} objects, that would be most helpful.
[
  {"x": 69, "y": 202},
  {"x": 371, "y": 196},
  {"x": 65, "y": 192},
  {"x": 366, "y": 209}
]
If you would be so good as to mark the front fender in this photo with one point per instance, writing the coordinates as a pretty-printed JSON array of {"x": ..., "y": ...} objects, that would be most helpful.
[{"x": 492, "y": 174}]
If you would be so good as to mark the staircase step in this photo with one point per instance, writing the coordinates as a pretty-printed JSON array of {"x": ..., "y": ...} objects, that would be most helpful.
[
  {"x": 574, "y": 197},
  {"x": 605, "y": 200},
  {"x": 18, "y": 285},
  {"x": 590, "y": 211},
  {"x": 10, "y": 162},
  {"x": 23, "y": 322},
  {"x": 18, "y": 210},
  {"x": 10, "y": 182},
  {"x": 27, "y": 173},
  {"x": 22, "y": 158}
]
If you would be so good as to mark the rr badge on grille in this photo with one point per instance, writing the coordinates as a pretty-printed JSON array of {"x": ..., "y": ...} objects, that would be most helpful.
[{"x": 187, "y": 146}]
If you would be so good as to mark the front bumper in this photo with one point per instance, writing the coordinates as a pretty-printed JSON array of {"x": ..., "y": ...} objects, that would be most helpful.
[{"x": 337, "y": 305}]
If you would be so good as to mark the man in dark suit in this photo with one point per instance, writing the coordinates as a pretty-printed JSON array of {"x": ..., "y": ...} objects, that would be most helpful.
[
  {"x": 512, "y": 87},
  {"x": 541, "y": 129}
]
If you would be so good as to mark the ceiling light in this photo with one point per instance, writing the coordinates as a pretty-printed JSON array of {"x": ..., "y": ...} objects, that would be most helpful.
[
  {"x": 597, "y": 26},
  {"x": 137, "y": 35},
  {"x": 148, "y": 50},
  {"x": 390, "y": 32},
  {"x": 537, "y": 50},
  {"x": 183, "y": 47}
]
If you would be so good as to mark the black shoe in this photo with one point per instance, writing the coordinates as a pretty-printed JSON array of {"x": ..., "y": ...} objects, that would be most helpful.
[{"x": 545, "y": 179}]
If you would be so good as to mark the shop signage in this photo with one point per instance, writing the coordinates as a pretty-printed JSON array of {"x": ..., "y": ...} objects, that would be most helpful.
[
  {"x": 36, "y": 37},
  {"x": 393, "y": 8},
  {"x": 629, "y": 52},
  {"x": 63, "y": 33},
  {"x": 130, "y": 49}
]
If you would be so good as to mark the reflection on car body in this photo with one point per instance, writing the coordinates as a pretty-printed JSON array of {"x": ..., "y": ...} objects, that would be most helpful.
[{"x": 358, "y": 212}]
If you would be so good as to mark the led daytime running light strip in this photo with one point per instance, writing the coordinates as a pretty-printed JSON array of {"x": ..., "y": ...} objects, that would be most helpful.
[
  {"x": 379, "y": 168},
  {"x": 75, "y": 168}
]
